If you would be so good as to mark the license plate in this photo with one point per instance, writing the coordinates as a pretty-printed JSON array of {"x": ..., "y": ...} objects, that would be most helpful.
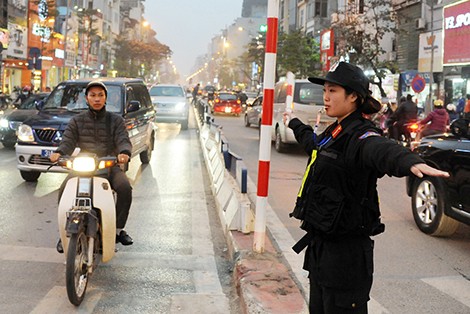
[
  {"x": 413, "y": 135},
  {"x": 228, "y": 109},
  {"x": 46, "y": 153}
]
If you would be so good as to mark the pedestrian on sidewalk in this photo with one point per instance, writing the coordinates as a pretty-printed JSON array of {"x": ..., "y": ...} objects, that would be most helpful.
[{"x": 338, "y": 200}]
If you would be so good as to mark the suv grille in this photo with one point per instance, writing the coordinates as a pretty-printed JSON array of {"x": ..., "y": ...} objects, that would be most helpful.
[
  {"x": 39, "y": 160},
  {"x": 46, "y": 135}
]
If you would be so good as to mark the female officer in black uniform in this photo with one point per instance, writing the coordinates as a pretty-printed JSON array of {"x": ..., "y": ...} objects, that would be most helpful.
[{"x": 338, "y": 201}]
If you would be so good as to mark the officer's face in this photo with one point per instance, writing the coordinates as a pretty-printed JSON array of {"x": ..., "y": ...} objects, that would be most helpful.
[
  {"x": 96, "y": 98},
  {"x": 337, "y": 103}
]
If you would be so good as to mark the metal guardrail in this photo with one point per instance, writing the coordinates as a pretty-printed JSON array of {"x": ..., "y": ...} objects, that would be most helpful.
[{"x": 227, "y": 171}]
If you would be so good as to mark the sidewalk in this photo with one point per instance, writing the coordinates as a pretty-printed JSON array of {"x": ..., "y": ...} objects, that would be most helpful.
[{"x": 264, "y": 283}]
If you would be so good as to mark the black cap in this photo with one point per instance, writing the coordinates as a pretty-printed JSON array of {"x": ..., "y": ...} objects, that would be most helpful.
[
  {"x": 96, "y": 84},
  {"x": 348, "y": 75}
]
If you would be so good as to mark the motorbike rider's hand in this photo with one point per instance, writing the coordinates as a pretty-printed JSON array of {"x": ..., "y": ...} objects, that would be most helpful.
[
  {"x": 54, "y": 157},
  {"x": 420, "y": 170},
  {"x": 123, "y": 158}
]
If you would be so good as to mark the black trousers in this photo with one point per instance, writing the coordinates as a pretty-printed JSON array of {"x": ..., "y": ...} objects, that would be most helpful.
[
  {"x": 121, "y": 185},
  {"x": 340, "y": 273}
]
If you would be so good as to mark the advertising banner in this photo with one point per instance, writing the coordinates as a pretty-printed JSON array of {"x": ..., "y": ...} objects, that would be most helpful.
[
  {"x": 430, "y": 49},
  {"x": 327, "y": 48},
  {"x": 456, "y": 33}
]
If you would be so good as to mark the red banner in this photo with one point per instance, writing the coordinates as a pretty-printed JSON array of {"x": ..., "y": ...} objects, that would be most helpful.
[
  {"x": 456, "y": 33},
  {"x": 327, "y": 48}
]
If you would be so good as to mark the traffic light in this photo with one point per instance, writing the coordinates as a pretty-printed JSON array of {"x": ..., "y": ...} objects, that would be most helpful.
[{"x": 263, "y": 28}]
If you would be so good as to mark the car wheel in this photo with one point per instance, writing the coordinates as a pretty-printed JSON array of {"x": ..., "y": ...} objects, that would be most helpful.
[
  {"x": 184, "y": 125},
  {"x": 428, "y": 204},
  {"x": 8, "y": 145},
  {"x": 30, "y": 176},
  {"x": 247, "y": 123},
  {"x": 145, "y": 156},
  {"x": 278, "y": 144}
]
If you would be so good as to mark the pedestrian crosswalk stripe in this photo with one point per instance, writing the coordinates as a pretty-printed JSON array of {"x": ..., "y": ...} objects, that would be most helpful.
[{"x": 455, "y": 286}]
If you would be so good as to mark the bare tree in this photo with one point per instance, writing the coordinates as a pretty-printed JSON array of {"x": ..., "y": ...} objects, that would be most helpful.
[{"x": 360, "y": 32}]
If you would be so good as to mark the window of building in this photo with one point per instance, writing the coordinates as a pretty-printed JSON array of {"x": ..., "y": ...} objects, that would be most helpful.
[
  {"x": 310, "y": 11},
  {"x": 321, "y": 8}
]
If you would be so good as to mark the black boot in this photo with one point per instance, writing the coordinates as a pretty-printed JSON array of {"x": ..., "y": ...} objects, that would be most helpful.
[{"x": 124, "y": 238}]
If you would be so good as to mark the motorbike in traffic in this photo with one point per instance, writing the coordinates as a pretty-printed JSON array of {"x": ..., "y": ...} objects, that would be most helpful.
[
  {"x": 87, "y": 220},
  {"x": 409, "y": 135}
]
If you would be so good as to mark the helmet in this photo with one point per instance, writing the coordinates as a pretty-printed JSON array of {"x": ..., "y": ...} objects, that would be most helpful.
[
  {"x": 27, "y": 88},
  {"x": 96, "y": 84}
]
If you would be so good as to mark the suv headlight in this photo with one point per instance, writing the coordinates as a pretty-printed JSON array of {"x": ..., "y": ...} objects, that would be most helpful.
[
  {"x": 25, "y": 133},
  {"x": 4, "y": 123},
  {"x": 180, "y": 106}
]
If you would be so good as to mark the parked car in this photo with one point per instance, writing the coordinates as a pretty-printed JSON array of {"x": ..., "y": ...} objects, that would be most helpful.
[
  {"x": 440, "y": 204},
  {"x": 39, "y": 135},
  {"x": 12, "y": 118},
  {"x": 171, "y": 104},
  {"x": 307, "y": 102},
  {"x": 254, "y": 112},
  {"x": 226, "y": 103}
]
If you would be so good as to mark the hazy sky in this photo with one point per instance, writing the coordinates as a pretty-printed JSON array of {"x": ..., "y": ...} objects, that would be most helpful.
[{"x": 187, "y": 26}]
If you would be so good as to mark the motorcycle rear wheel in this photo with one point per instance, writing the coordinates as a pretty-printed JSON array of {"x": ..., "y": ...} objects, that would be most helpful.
[{"x": 76, "y": 271}]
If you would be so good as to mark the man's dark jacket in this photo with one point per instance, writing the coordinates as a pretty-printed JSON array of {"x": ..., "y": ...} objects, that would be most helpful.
[{"x": 88, "y": 131}]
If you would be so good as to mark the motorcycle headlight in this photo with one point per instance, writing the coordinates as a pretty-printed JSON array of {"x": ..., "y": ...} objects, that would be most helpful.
[
  {"x": 83, "y": 164},
  {"x": 25, "y": 133},
  {"x": 3, "y": 123}
]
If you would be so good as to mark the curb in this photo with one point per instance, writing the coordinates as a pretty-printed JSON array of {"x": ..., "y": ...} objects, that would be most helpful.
[{"x": 264, "y": 283}]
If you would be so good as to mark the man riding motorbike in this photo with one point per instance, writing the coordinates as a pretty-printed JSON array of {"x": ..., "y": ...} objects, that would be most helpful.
[
  {"x": 405, "y": 113},
  {"x": 104, "y": 134}
]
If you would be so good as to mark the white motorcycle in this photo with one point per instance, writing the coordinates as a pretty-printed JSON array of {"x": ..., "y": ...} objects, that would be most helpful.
[{"x": 87, "y": 220}]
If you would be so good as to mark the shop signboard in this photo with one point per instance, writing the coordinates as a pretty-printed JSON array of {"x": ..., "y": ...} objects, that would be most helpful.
[
  {"x": 456, "y": 35},
  {"x": 430, "y": 50}
]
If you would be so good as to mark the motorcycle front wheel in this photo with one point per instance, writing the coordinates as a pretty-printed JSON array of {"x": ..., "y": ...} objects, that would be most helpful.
[{"x": 76, "y": 271}]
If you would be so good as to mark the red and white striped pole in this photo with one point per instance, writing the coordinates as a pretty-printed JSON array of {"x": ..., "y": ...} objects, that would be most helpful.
[
  {"x": 266, "y": 125},
  {"x": 290, "y": 91}
]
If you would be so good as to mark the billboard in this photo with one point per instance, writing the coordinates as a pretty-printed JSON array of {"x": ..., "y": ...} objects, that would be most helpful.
[{"x": 456, "y": 28}]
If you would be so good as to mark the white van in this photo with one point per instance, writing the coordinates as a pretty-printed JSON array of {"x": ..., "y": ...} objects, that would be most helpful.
[{"x": 307, "y": 101}]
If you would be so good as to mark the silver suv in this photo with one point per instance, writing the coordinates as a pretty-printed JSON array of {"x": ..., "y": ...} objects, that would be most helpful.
[{"x": 171, "y": 104}]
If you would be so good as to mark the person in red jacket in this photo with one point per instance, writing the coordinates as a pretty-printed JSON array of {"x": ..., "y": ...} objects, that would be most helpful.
[{"x": 437, "y": 121}]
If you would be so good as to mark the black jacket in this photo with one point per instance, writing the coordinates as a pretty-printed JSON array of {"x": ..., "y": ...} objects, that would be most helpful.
[
  {"x": 345, "y": 173},
  {"x": 405, "y": 112},
  {"x": 88, "y": 131}
]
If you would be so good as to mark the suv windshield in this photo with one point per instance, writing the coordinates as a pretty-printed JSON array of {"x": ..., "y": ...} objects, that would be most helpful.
[
  {"x": 167, "y": 91},
  {"x": 72, "y": 97}
]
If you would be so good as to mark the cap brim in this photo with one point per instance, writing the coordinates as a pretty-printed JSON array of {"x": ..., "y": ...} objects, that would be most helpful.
[{"x": 322, "y": 80}]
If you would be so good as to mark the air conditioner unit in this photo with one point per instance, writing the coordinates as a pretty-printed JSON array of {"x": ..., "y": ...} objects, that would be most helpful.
[{"x": 420, "y": 23}]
